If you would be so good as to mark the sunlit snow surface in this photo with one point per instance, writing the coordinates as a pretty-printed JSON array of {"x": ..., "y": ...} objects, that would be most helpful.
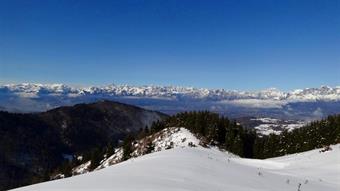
[{"x": 198, "y": 168}]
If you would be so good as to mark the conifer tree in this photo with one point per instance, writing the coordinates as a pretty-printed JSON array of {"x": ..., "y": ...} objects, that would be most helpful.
[{"x": 127, "y": 147}]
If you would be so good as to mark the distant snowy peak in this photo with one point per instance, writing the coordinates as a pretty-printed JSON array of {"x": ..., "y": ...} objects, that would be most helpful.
[
  {"x": 37, "y": 90},
  {"x": 324, "y": 93}
]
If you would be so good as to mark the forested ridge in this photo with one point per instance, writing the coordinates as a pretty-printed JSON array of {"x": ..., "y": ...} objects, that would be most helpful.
[
  {"x": 33, "y": 146},
  {"x": 229, "y": 135}
]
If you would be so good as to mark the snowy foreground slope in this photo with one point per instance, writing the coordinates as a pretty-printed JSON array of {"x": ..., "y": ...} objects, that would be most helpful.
[{"x": 198, "y": 168}]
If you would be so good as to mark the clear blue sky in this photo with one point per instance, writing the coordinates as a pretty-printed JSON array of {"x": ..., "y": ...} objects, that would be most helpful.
[{"x": 231, "y": 44}]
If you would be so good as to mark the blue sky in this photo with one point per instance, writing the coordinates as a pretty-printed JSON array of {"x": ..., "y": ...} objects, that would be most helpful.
[{"x": 230, "y": 44}]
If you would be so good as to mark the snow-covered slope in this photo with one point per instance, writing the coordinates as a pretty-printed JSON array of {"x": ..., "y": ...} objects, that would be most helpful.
[
  {"x": 320, "y": 164},
  {"x": 199, "y": 168},
  {"x": 168, "y": 138}
]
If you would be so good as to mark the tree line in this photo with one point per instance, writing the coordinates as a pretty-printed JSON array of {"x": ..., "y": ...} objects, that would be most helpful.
[{"x": 231, "y": 136}]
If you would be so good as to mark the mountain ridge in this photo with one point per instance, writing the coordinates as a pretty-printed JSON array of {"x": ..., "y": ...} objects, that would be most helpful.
[
  {"x": 307, "y": 104},
  {"x": 325, "y": 93}
]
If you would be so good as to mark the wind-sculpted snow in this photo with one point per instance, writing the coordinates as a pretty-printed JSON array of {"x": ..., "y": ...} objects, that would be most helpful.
[{"x": 198, "y": 168}]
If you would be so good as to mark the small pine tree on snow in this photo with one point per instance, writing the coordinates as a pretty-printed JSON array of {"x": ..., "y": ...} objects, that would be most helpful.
[
  {"x": 96, "y": 157},
  {"x": 150, "y": 147},
  {"x": 127, "y": 147},
  {"x": 237, "y": 147}
]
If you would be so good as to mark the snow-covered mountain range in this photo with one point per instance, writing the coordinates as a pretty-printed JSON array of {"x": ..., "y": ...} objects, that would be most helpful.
[
  {"x": 308, "y": 103},
  {"x": 324, "y": 93}
]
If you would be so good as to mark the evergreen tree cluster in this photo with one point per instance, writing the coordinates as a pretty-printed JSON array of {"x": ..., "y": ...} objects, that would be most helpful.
[
  {"x": 127, "y": 147},
  {"x": 95, "y": 155},
  {"x": 317, "y": 134},
  {"x": 214, "y": 129},
  {"x": 227, "y": 134}
]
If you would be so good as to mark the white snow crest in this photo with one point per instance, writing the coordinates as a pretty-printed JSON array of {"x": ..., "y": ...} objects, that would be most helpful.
[
  {"x": 175, "y": 137},
  {"x": 168, "y": 138}
]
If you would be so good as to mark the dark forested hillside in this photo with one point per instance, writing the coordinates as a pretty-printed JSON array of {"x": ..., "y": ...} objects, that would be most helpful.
[{"x": 33, "y": 145}]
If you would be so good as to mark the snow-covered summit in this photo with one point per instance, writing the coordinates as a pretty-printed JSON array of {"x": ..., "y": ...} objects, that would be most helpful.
[
  {"x": 324, "y": 93},
  {"x": 169, "y": 138}
]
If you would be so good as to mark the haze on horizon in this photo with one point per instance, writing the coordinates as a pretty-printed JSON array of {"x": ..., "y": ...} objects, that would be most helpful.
[{"x": 242, "y": 45}]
